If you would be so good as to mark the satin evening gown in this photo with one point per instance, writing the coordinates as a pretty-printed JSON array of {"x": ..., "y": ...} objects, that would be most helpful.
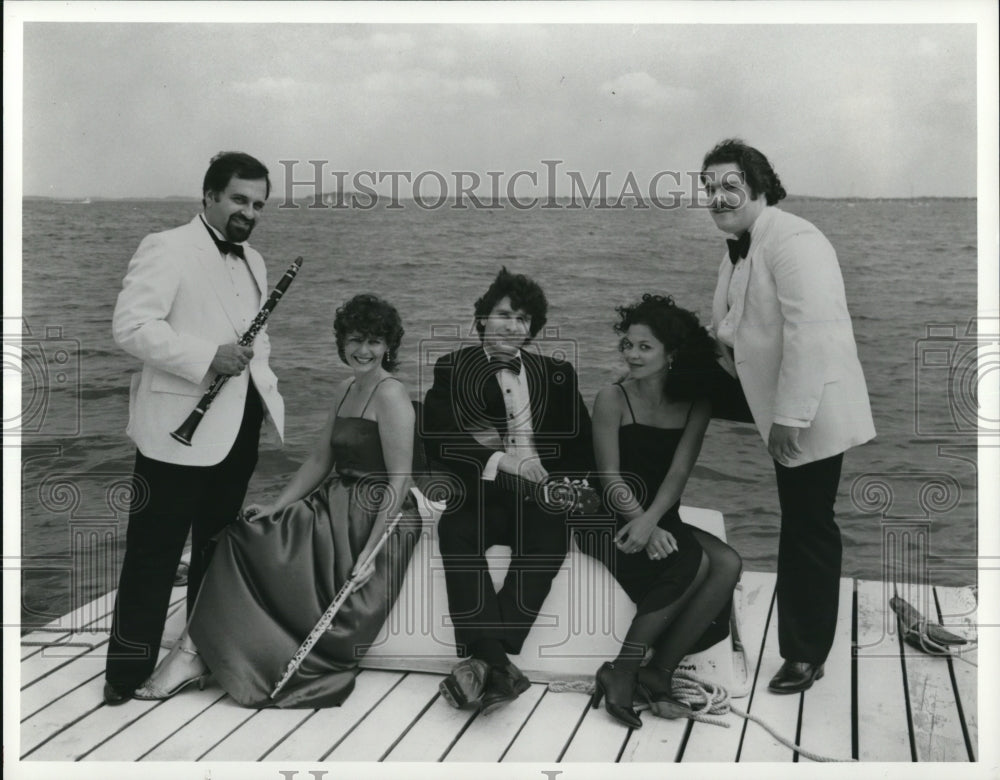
[{"x": 271, "y": 579}]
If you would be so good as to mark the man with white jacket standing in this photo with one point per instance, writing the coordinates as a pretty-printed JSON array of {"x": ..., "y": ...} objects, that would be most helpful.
[
  {"x": 786, "y": 341},
  {"x": 187, "y": 297}
]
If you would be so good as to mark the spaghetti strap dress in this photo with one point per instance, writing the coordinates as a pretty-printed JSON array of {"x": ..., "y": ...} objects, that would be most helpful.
[
  {"x": 645, "y": 454},
  {"x": 271, "y": 579}
]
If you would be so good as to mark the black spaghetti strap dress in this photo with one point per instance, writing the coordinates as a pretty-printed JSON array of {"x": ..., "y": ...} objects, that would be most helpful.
[{"x": 646, "y": 453}]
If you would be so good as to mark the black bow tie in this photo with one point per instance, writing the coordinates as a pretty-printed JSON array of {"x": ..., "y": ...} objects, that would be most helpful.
[
  {"x": 226, "y": 247},
  {"x": 499, "y": 363},
  {"x": 738, "y": 247}
]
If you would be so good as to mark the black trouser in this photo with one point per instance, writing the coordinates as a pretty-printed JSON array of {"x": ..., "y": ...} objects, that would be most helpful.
[
  {"x": 168, "y": 501},
  {"x": 809, "y": 550},
  {"x": 538, "y": 541},
  {"x": 809, "y": 556}
]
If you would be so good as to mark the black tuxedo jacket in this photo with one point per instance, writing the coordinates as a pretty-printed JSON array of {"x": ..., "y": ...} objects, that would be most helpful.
[{"x": 465, "y": 419}]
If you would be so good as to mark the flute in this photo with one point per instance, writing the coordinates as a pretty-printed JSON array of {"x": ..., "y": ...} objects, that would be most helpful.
[
  {"x": 186, "y": 430},
  {"x": 327, "y": 618}
]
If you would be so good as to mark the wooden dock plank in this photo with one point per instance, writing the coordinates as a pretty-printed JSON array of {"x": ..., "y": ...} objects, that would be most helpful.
[
  {"x": 49, "y": 722},
  {"x": 883, "y": 729},
  {"x": 257, "y": 735},
  {"x": 156, "y": 726},
  {"x": 826, "y": 710},
  {"x": 52, "y": 657},
  {"x": 78, "y": 739},
  {"x": 659, "y": 739},
  {"x": 781, "y": 713},
  {"x": 489, "y": 736},
  {"x": 376, "y": 733},
  {"x": 203, "y": 732},
  {"x": 430, "y": 738},
  {"x": 316, "y": 736},
  {"x": 37, "y": 641},
  {"x": 937, "y": 729},
  {"x": 957, "y": 611},
  {"x": 598, "y": 738},
  {"x": 549, "y": 728},
  {"x": 708, "y": 742},
  {"x": 62, "y": 682}
]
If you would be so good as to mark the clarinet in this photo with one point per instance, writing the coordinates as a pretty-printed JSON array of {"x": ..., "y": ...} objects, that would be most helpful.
[{"x": 186, "y": 430}]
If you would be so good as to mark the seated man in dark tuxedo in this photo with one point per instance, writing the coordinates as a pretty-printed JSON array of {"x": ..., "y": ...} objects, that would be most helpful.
[{"x": 502, "y": 419}]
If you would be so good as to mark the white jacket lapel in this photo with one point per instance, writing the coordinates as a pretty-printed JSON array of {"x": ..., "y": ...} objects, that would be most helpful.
[{"x": 215, "y": 275}]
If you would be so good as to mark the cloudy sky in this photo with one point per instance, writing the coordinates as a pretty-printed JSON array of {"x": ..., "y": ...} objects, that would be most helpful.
[{"x": 137, "y": 109}]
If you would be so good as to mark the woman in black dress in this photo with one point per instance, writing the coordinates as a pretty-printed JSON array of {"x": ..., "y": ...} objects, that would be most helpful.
[
  {"x": 648, "y": 430},
  {"x": 273, "y": 575}
]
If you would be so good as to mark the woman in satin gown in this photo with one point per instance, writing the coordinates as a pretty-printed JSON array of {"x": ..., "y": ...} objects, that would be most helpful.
[
  {"x": 275, "y": 571},
  {"x": 648, "y": 431}
]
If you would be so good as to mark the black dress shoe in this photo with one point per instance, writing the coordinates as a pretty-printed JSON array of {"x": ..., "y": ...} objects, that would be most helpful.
[
  {"x": 114, "y": 696},
  {"x": 795, "y": 676},
  {"x": 466, "y": 682},
  {"x": 503, "y": 685}
]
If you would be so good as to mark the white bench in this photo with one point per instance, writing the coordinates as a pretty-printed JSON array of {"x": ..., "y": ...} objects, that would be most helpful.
[{"x": 581, "y": 624}]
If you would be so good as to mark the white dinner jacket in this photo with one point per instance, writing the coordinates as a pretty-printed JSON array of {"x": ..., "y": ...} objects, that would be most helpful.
[
  {"x": 176, "y": 306},
  {"x": 794, "y": 347}
]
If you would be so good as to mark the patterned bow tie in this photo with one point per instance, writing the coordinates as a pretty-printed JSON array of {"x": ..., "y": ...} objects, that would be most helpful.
[
  {"x": 226, "y": 247},
  {"x": 738, "y": 247},
  {"x": 499, "y": 363}
]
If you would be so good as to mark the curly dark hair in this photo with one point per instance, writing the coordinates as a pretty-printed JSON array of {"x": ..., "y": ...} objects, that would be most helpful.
[
  {"x": 225, "y": 165},
  {"x": 683, "y": 336},
  {"x": 370, "y": 316},
  {"x": 524, "y": 294},
  {"x": 759, "y": 173}
]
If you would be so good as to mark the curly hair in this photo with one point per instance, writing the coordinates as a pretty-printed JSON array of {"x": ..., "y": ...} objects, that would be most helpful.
[
  {"x": 682, "y": 335},
  {"x": 372, "y": 317},
  {"x": 226, "y": 165},
  {"x": 760, "y": 175},
  {"x": 524, "y": 294}
]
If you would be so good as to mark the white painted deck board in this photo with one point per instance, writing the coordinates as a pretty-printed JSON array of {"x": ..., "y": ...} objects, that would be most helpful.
[
  {"x": 430, "y": 738},
  {"x": 398, "y": 716},
  {"x": 958, "y": 613},
  {"x": 257, "y": 735},
  {"x": 883, "y": 732},
  {"x": 708, "y": 742},
  {"x": 317, "y": 735},
  {"x": 489, "y": 736},
  {"x": 376, "y": 733},
  {"x": 826, "y": 711},
  {"x": 157, "y": 725},
  {"x": 202, "y": 733},
  {"x": 780, "y": 712},
  {"x": 549, "y": 728},
  {"x": 937, "y": 729}
]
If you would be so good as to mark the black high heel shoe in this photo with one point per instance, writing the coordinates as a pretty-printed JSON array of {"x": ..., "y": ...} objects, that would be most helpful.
[{"x": 616, "y": 687}]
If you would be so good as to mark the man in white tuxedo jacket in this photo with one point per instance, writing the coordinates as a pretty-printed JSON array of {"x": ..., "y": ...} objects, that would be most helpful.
[
  {"x": 187, "y": 297},
  {"x": 786, "y": 341}
]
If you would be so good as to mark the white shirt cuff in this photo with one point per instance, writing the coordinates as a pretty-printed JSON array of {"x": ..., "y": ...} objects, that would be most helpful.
[
  {"x": 492, "y": 466},
  {"x": 792, "y": 422}
]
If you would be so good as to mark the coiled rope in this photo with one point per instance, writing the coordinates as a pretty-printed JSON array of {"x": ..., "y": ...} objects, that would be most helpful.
[{"x": 705, "y": 702}]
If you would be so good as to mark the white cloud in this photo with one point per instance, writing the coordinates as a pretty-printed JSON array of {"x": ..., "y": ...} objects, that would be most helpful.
[
  {"x": 428, "y": 83},
  {"x": 271, "y": 86}
]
